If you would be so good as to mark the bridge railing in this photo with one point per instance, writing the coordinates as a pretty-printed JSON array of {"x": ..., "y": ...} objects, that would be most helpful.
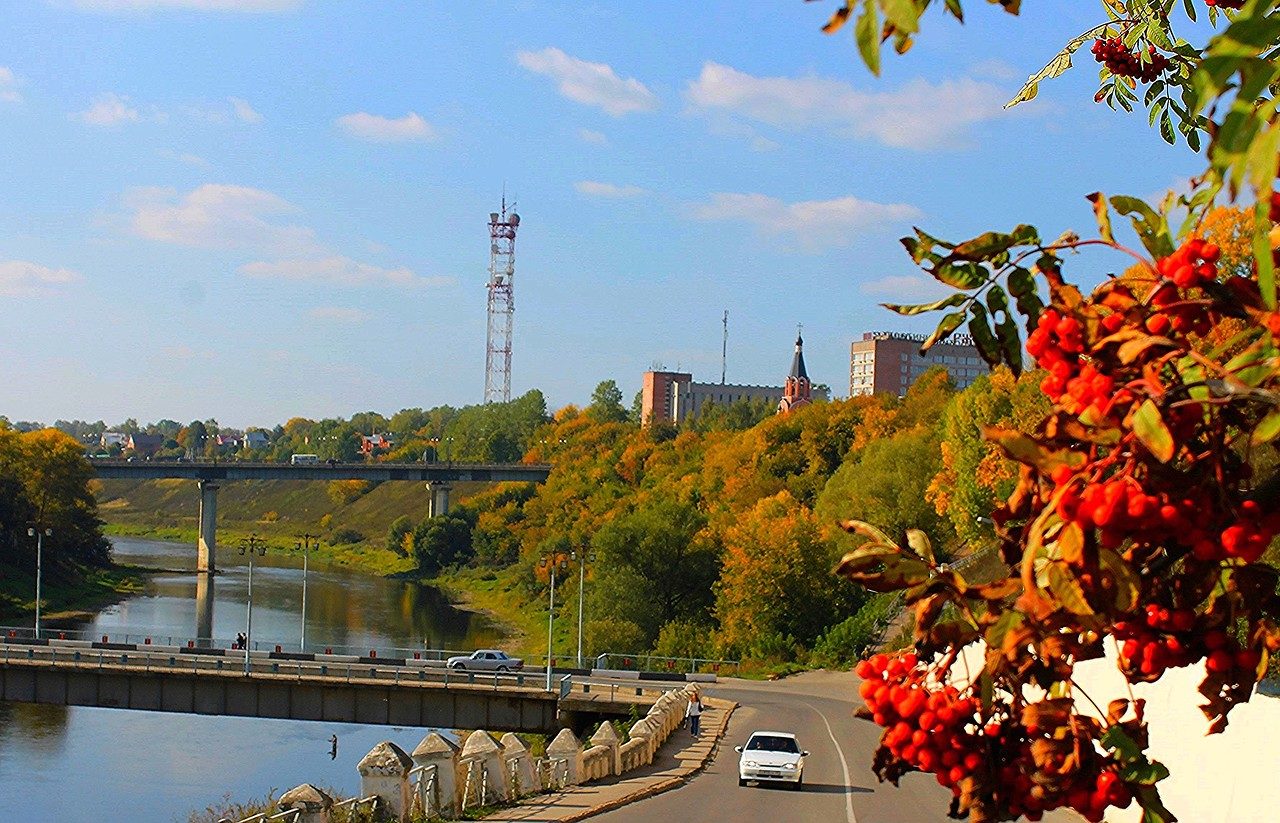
[
  {"x": 80, "y": 654},
  {"x": 658, "y": 663}
]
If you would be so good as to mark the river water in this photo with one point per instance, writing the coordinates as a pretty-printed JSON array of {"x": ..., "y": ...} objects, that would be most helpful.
[{"x": 79, "y": 765}]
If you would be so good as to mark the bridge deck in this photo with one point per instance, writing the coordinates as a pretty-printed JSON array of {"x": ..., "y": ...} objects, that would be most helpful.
[
  {"x": 423, "y": 472},
  {"x": 409, "y": 693}
]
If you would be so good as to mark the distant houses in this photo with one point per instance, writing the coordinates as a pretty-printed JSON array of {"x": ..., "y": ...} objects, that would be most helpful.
[{"x": 145, "y": 445}]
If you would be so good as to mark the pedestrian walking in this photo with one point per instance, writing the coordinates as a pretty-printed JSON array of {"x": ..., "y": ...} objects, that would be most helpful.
[
  {"x": 333, "y": 747},
  {"x": 694, "y": 713}
]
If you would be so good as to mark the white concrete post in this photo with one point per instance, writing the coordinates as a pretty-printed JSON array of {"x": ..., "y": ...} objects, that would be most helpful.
[
  {"x": 567, "y": 747},
  {"x": 438, "y": 751},
  {"x": 314, "y": 804},
  {"x": 207, "y": 542},
  {"x": 482, "y": 749},
  {"x": 438, "y": 505},
  {"x": 607, "y": 736},
  {"x": 518, "y": 766},
  {"x": 384, "y": 771}
]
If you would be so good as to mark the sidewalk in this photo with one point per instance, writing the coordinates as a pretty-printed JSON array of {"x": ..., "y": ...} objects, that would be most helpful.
[{"x": 676, "y": 761}]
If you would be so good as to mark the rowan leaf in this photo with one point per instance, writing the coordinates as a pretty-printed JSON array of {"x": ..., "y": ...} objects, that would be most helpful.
[
  {"x": 1066, "y": 588},
  {"x": 919, "y": 543},
  {"x": 1026, "y": 449},
  {"x": 1267, "y": 430},
  {"x": 946, "y": 327},
  {"x": 1103, "y": 215},
  {"x": 865, "y": 529},
  {"x": 1150, "y": 428},
  {"x": 921, "y": 308}
]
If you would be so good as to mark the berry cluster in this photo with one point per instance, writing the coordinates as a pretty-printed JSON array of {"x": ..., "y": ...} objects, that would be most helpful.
[
  {"x": 1122, "y": 510},
  {"x": 933, "y": 728},
  {"x": 1224, "y": 4},
  {"x": 1165, "y": 640},
  {"x": 1245, "y": 539},
  {"x": 1121, "y": 62},
  {"x": 1193, "y": 264},
  {"x": 929, "y": 728}
]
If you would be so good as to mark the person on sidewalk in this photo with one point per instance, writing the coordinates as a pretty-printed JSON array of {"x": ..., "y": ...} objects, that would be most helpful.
[{"x": 694, "y": 713}]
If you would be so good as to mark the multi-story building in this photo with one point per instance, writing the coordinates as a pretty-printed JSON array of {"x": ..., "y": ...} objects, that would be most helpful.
[
  {"x": 891, "y": 362},
  {"x": 674, "y": 396}
]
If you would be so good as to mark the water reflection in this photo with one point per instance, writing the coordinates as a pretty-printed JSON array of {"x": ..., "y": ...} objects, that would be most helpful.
[{"x": 70, "y": 763}]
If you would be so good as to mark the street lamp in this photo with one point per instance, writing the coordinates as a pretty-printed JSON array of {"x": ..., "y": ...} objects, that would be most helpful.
[
  {"x": 305, "y": 545},
  {"x": 251, "y": 545},
  {"x": 588, "y": 556},
  {"x": 39, "y": 535},
  {"x": 552, "y": 559}
]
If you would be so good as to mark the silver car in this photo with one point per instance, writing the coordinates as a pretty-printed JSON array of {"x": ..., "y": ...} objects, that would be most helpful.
[{"x": 486, "y": 660}]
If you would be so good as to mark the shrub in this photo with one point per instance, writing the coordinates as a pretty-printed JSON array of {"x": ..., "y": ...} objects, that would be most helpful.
[{"x": 347, "y": 534}]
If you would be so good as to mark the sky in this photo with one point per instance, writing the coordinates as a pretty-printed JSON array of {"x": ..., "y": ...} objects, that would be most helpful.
[{"x": 258, "y": 209}]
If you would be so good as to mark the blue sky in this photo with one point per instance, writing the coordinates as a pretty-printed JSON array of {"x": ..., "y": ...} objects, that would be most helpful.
[{"x": 257, "y": 209}]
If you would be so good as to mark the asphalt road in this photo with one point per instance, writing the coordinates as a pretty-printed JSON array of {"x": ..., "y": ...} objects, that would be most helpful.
[{"x": 839, "y": 785}]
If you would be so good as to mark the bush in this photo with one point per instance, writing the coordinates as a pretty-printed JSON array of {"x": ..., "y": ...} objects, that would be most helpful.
[
  {"x": 685, "y": 638},
  {"x": 613, "y": 635},
  {"x": 347, "y": 535},
  {"x": 849, "y": 641}
]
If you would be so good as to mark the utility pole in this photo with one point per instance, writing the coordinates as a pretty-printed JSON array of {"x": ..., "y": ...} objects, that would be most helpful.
[
  {"x": 724, "y": 348},
  {"x": 39, "y": 535},
  {"x": 305, "y": 545},
  {"x": 249, "y": 546}
]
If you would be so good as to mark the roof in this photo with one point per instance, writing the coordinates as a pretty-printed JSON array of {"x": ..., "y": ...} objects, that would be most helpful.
[
  {"x": 775, "y": 734},
  {"x": 797, "y": 362}
]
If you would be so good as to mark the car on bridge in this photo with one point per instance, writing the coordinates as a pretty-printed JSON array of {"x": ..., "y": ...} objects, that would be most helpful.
[
  {"x": 485, "y": 660},
  {"x": 772, "y": 756}
]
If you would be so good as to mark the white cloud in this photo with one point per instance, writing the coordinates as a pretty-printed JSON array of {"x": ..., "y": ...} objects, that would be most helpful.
[
  {"x": 9, "y": 86},
  {"x": 593, "y": 188},
  {"x": 338, "y": 314},
  {"x": 919, "y": 115},
  {"x": 19, "y": 278},
  {"x": 905, "y": 288},
  {"x": 244, "y": 112},
  {"x": 380, "y": 129},
  {"x": 219, "y": 216},
  {"x": 109, "y": 109},
  {"x": 595, "y": 138},
  {"x": 813, "y": 224},
  {"x": 186, "y": 157},
  {"x": 336, "y": 270},
  {"x": 762, "y": 144},
  {"x": 194, "y": 5},
  {"x": 593, "y": 84}
]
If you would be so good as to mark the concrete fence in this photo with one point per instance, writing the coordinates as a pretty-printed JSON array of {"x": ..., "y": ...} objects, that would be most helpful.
[{"x": 442, "y": 779}]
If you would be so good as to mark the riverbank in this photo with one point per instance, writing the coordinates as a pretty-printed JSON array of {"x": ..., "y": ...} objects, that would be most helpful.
[
  {"x": 70, "y": 596},
  {"x": 280, "y": 539}
]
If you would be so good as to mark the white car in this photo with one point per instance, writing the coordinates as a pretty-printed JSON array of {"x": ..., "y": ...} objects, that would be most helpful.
[
  {"x": 772, "y": 756},
  {"x": 486, "y": 660}
]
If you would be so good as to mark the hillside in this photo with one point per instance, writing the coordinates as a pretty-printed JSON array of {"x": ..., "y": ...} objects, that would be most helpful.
[{"x": 346, "y": 513}]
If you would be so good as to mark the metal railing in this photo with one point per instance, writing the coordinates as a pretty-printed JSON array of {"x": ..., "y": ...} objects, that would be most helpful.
[
  {"x": 353, "y": 806},
  {"x": 481, "y": 782},
  {"x": 425, "y": 788},
  {"x": 552, "y": 772},
  {"x": 658, "y": 663},
  {"x": 289, "y": 816}
]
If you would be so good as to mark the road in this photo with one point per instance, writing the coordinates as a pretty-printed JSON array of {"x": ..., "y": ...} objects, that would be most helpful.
[{"x": 839, "y": 785}]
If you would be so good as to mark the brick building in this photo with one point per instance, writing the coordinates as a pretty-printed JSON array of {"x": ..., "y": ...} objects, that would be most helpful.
[{"x": 891, "y": 362}]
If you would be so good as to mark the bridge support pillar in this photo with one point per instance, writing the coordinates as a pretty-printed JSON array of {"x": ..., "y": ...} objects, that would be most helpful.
[
  {"x": 439, "y": 505},
  {"x": 204, "y": 609},
  {"x": 207, "y": 542}
]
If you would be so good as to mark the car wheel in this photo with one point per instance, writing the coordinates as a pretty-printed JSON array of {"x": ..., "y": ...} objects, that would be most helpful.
[
  {"x": 798, "y": 786},
  {"x": 502, "y": 670},
  {"x": 742, "y": 782},
  {"x": 458, "y": 667}
]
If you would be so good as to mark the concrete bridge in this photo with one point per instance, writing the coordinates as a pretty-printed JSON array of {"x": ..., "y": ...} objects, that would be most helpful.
[
  {"x": 209, "y": 477},
  {"x": 334, "y": 688}
]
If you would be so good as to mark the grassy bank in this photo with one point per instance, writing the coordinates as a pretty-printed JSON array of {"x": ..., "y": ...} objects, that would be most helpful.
[
  {"x": 367, "y": 557},
  {"x": 71, "y": 594}
]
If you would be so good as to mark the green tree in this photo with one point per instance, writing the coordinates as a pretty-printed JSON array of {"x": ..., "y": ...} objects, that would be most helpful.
[
  {"x": 606, "y": 403},
  {"x": 401, "y": 528},
  {"x": 440, "y": 542},
  {"x": 655, "y": 565}
]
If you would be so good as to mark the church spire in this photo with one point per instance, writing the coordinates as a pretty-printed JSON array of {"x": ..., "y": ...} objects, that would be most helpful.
[{"x": 797, "y": 391}]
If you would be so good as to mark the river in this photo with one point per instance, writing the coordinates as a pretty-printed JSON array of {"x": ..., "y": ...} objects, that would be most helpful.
[{"x": 78, "y": 765}]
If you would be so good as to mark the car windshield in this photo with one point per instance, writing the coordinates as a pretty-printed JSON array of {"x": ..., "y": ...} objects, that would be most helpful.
[{"x": 769, "y": 743}]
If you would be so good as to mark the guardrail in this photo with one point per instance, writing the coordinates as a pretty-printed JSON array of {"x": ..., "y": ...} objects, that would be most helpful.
[
  {"x": 398, "y": 671},
  {"x": 658, "y": 663}
]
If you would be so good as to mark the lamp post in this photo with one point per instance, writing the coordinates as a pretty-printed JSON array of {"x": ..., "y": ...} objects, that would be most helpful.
[
  {"x": 588, "y": 556},
  {"x": 250, "y": 545},
  {"x": 305, "y": 545},
  {"x": 553, "y": 559},
  {"x": 39, "y": 535}
]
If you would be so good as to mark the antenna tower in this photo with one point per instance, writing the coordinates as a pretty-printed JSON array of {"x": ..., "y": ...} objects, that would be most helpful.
[
  {"x": 502, "y": 304},
  {"x": 724, "y": 348}
]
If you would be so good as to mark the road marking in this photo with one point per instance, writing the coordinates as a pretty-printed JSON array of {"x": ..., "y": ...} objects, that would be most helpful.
[{"x": 844, "y": 765}]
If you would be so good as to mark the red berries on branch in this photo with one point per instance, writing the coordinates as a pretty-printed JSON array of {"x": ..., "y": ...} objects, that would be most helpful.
[{"x": 1113, "y": 53}]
